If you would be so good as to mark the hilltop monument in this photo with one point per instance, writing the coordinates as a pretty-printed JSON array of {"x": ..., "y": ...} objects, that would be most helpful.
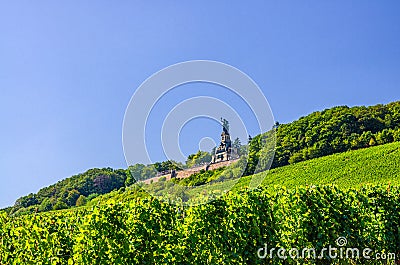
[{"x": 224, "y": 151}]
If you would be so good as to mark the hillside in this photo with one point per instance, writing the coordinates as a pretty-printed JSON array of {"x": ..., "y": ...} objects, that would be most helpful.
[
  {"x": 319, "y": 134},
  {"x": 330, "y": 131},
  {"x": 352, "y": 169},
  {"x": 374, "y": 165},
  {"x": 228, "y": 230},
  {"x": 72, "y": 191},
  {"x": 293, "y": 207}
]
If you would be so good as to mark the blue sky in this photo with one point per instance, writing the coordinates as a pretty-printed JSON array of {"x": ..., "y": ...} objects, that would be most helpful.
[{"x": 69, "y": 68}]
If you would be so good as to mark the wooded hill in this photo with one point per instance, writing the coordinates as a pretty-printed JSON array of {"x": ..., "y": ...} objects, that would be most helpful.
[{"x": 321, "y": 133}]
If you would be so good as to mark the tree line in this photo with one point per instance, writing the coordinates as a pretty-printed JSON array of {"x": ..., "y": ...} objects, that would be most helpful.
[{"x": 319, "y": 134}]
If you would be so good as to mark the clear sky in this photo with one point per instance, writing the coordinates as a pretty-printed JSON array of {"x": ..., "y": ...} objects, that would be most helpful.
[{"x": 69, "y": 68}]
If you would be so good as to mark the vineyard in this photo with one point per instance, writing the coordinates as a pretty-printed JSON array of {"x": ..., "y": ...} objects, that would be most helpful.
[
  {"x": 307, "y": 203},
  {"x": 229, "y": 230},
  {"x": 200, "y": 132},
  {"x": 374, "y": 165},
  {"x": 357, "y": 168},
  {"x": 319, "y": 134},
  {"x": 122, "y": 228}
]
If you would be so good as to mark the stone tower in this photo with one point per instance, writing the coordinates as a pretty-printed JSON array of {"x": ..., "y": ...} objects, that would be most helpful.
[{"x": 223, "y": 152}]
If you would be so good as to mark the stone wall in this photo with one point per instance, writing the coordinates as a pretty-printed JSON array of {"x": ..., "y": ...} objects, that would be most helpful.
[{"x": 188, "y": 172}]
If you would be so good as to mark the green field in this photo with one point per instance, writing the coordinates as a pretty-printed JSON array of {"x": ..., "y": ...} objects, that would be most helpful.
[
  {"x": 316, "y": 192},
  {"x": 351, "y": 169},
  {"x": 376, "y": 165},
  {"x": 123, "y": 227},
  {"x": 320, "y": 134}
]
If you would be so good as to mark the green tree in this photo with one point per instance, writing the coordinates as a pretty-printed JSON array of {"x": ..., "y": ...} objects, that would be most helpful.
[
  {"x": 396, "y": 135},
  {"x": 81, "y": 201},
  {"x": 236, "y": 143},
  {"x": 46, "y": 205},
  {"x": 60, "y": 205},
  {"x": 73, "y": 195},
  {"x": 384, "y": 137},
  {"x": 27, "y": 201},
  {"x": 92, "y": 196},
  {"x": 136, "y": 172},
  {"x": 149, "y": 172},
  {"x": 372, "y": 141},
  {"x": 201, "y": 157}
]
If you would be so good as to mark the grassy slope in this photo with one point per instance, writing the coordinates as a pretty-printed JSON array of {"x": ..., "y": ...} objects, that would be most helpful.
[{"x": 374, "y": 165}]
